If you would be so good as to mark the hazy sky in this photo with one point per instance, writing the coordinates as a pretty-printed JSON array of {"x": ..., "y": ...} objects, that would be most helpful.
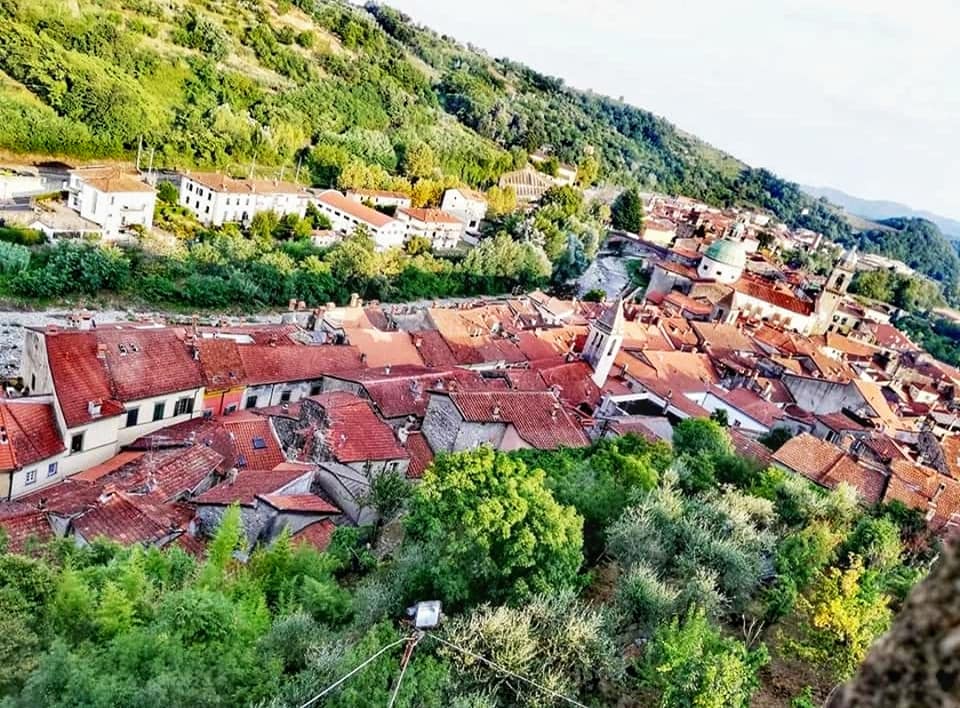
[{"x": 861, "y": 95}]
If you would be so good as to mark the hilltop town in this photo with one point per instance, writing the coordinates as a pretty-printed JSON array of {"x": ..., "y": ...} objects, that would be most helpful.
[{"x": 718, "y": 327}]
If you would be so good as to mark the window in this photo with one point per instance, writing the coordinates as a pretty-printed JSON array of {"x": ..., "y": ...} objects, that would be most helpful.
[
  {"x": 76, "y": 443},
  {"x": 31, "y": 477},
  {"x": 33, "y": 383},
  {"x": 184, "y": 406},
  {"x": 259, "y": 444},
  {"x": 52, "y": 469},
  {"x": 231, "y": 408},
  {"x": 132, "y": 416},
  {"x": 159, "y": 409},
  {"x": 285, "y": 397},
  {"x": 315, "y": 389},
  {"x": 251, "y": 402}
]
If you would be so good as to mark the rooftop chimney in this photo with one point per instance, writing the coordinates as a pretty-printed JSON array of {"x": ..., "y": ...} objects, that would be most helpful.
[{"x": 94, "y": 407}]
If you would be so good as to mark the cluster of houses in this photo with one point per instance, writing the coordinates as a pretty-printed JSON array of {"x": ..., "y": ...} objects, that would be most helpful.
[
  {"x": 113, "y": 204},
  {"x": 145, "y": 432}
]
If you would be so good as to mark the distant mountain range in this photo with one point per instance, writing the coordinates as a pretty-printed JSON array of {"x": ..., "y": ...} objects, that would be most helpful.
[{"x": 876, "y": 210}]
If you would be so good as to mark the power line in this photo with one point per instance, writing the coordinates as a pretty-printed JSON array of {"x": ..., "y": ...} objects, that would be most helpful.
[
  {"x": 355, "y": 670},
  {"x": 407, "y": 655},
  {"x": 508, "y": 672}
]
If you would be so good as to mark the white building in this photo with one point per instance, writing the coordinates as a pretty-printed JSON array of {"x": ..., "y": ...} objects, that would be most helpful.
[
  {"x": 443, "y": 230},
  {"x": 723, "y": 261},
  {"x": 111, "y": 199},
  {"x": 379, "y": 197},
  {"x": 346, "y": 214},
  {"x": 468, "y": 205},
  {"x": 218, "y": 199}
]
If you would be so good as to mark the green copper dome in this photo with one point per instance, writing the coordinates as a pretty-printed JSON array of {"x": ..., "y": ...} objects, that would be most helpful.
[{"x": 728, "y": 252}]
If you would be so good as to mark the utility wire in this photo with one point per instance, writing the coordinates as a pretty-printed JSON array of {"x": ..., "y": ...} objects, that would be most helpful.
[
  {"x": 508, "y": 672},
  {"x": 407, "y": 655},
  {"x": 351, "y": 673}
]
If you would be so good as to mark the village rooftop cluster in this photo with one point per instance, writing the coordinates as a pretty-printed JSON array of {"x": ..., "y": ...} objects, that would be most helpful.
[{"x": 144, "y": 432}]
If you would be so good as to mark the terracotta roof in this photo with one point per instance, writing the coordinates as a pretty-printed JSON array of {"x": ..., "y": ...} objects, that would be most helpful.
[
  {"x": 176, "y": 474},
  {"x": 808, "y": 456},
  {"x": 28, "y": 433},
  {"x": 768, "y": 293},
  {"x": 79, "y": 376},
  {"x": 749, "y": 447},
  {"x": 951, "y": 455},
  {"x": 421, "y": 455},
  {"x": 302, "y": 503},
  {"x": 685, "y": 302},
  {"x": 429, "y": 216},
  {"x": 384, "y": 348},
  {"x": 266, "y": 364},
  {"x": 248, "y": 485},
  {"x": 22, "y": 522},
  {"x": 754, "y": 406},
  {"x": 538, "y": 417},
  {"x": 723, "y": 336},
  {"x": 873, "y": 394},
  {"x": 121, "y": 459},
  {"x": 923, "y": 488},
  {"x": 220, "y": 363},
  {"x": 255, "y": 440},
  {"x": 129, "y": 519},
  {"x": 434, "y": 349},
  {"x": 678, "y": 269},
  {"x": 635, "y": 425},
  {"x": 223, "y": 183},
  {"x": 573, "y": 382},
  {"x": 317, "y": 534},
  {"x": 838, "y": 421},
  {"x": 354, "y": 432},
  {"x": 190, "y": 544},
  {"x": 118, "y": 183},
  {"x": 827, "y": 465},
  {"x": 336, "y": 200},
  {"x": 889, "y": 337},
  {"x": 65, "y": 499},
  {"x": 850, "y": 347},
  {"x": 403, "y": 396}
]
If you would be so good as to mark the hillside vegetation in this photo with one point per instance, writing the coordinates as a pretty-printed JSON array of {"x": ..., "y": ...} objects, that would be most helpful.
[{"x": 360, "y": 97}]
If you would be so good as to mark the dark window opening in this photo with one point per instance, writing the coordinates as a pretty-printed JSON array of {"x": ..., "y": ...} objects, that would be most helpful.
[
  {"x": 132, "y": 416},
  {"x": 76, "y": 443},
  {"x": 159, "y": 409}
]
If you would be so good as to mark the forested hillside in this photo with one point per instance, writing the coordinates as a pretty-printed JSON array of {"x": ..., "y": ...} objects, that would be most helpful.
[
  {"x": 360, "y": 97},
  {"x": 919, "y": 244}
]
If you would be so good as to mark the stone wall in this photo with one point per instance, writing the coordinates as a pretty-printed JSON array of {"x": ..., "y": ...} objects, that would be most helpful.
[{"x": 821, "y": 396}]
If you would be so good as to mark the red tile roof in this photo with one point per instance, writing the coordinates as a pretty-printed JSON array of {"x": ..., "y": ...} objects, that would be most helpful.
[
  {"x": 768, "y": 293},
  {"x": 317, "y": 534},
  {"x": 429, "y": 216},
  {"x": 28, "y": 433},
  {"x": 889, "y": 337},
  {"x": 22, "y": 522},
  {"x": 121, "y": 459},
  {"x": 749, "y": 447},
  {"x": 353, "y": 432},
  {"x": 723, "y": 336},
  {"x": 539, "y": 418},
  {"x": 266, "y": 364},
  {"x": 248, "y": 484},
  {"x": 79, "y": 376},
  {"x": 754, "y": 406},
  {"x": 839, "y": 422},
  {"x": 220, "y": 363},
  {"x": 302, "y": 503},
  {"x": 951, "y": 455},
  {"x": 421, "y": 455},
  {"x": 129, "y": 519},
  {"x": 434, "y": 349},
  {"x": 333, "y": 198},
  {"x": 223, "y": 183},
  {"x": 573, "y": 382},
  {"x": 243, "y": 429},
  {"x": 156, "y": 361},
  {"x": 827, "y": 465},
  {"x": 176, "y": 474}
]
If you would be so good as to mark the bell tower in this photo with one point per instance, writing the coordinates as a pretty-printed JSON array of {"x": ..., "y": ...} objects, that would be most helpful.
[
  {"x": 835, "y": 289},
  {"x": 604, "y": 341}
]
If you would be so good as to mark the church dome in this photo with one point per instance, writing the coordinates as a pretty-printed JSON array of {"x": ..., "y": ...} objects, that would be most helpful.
[{"x": 729, "y": 253}]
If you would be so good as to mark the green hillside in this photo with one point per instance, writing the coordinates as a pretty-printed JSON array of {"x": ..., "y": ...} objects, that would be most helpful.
[{"x": 359, "y": 97}]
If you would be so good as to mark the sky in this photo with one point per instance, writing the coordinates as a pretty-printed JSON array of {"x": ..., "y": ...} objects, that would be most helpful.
[{"x": 859, "y": 95}]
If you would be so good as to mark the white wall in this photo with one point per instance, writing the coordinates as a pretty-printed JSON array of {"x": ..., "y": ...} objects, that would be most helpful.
[
  {"x": 218, "y": 208},
  {"x": 735, "y": 417},
  {"x": 469, "y": 211},
  {"x": 145, "y": 422},
  {"x": 116, "y": 210},
  {"x": 19, "y": 486}
]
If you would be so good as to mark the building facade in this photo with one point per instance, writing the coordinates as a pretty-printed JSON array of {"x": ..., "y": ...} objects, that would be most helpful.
[{"x": 216, "y": 199}]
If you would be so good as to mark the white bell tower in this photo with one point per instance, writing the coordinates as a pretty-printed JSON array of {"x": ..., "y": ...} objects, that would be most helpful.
[{"x": 604, "y": 341}]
